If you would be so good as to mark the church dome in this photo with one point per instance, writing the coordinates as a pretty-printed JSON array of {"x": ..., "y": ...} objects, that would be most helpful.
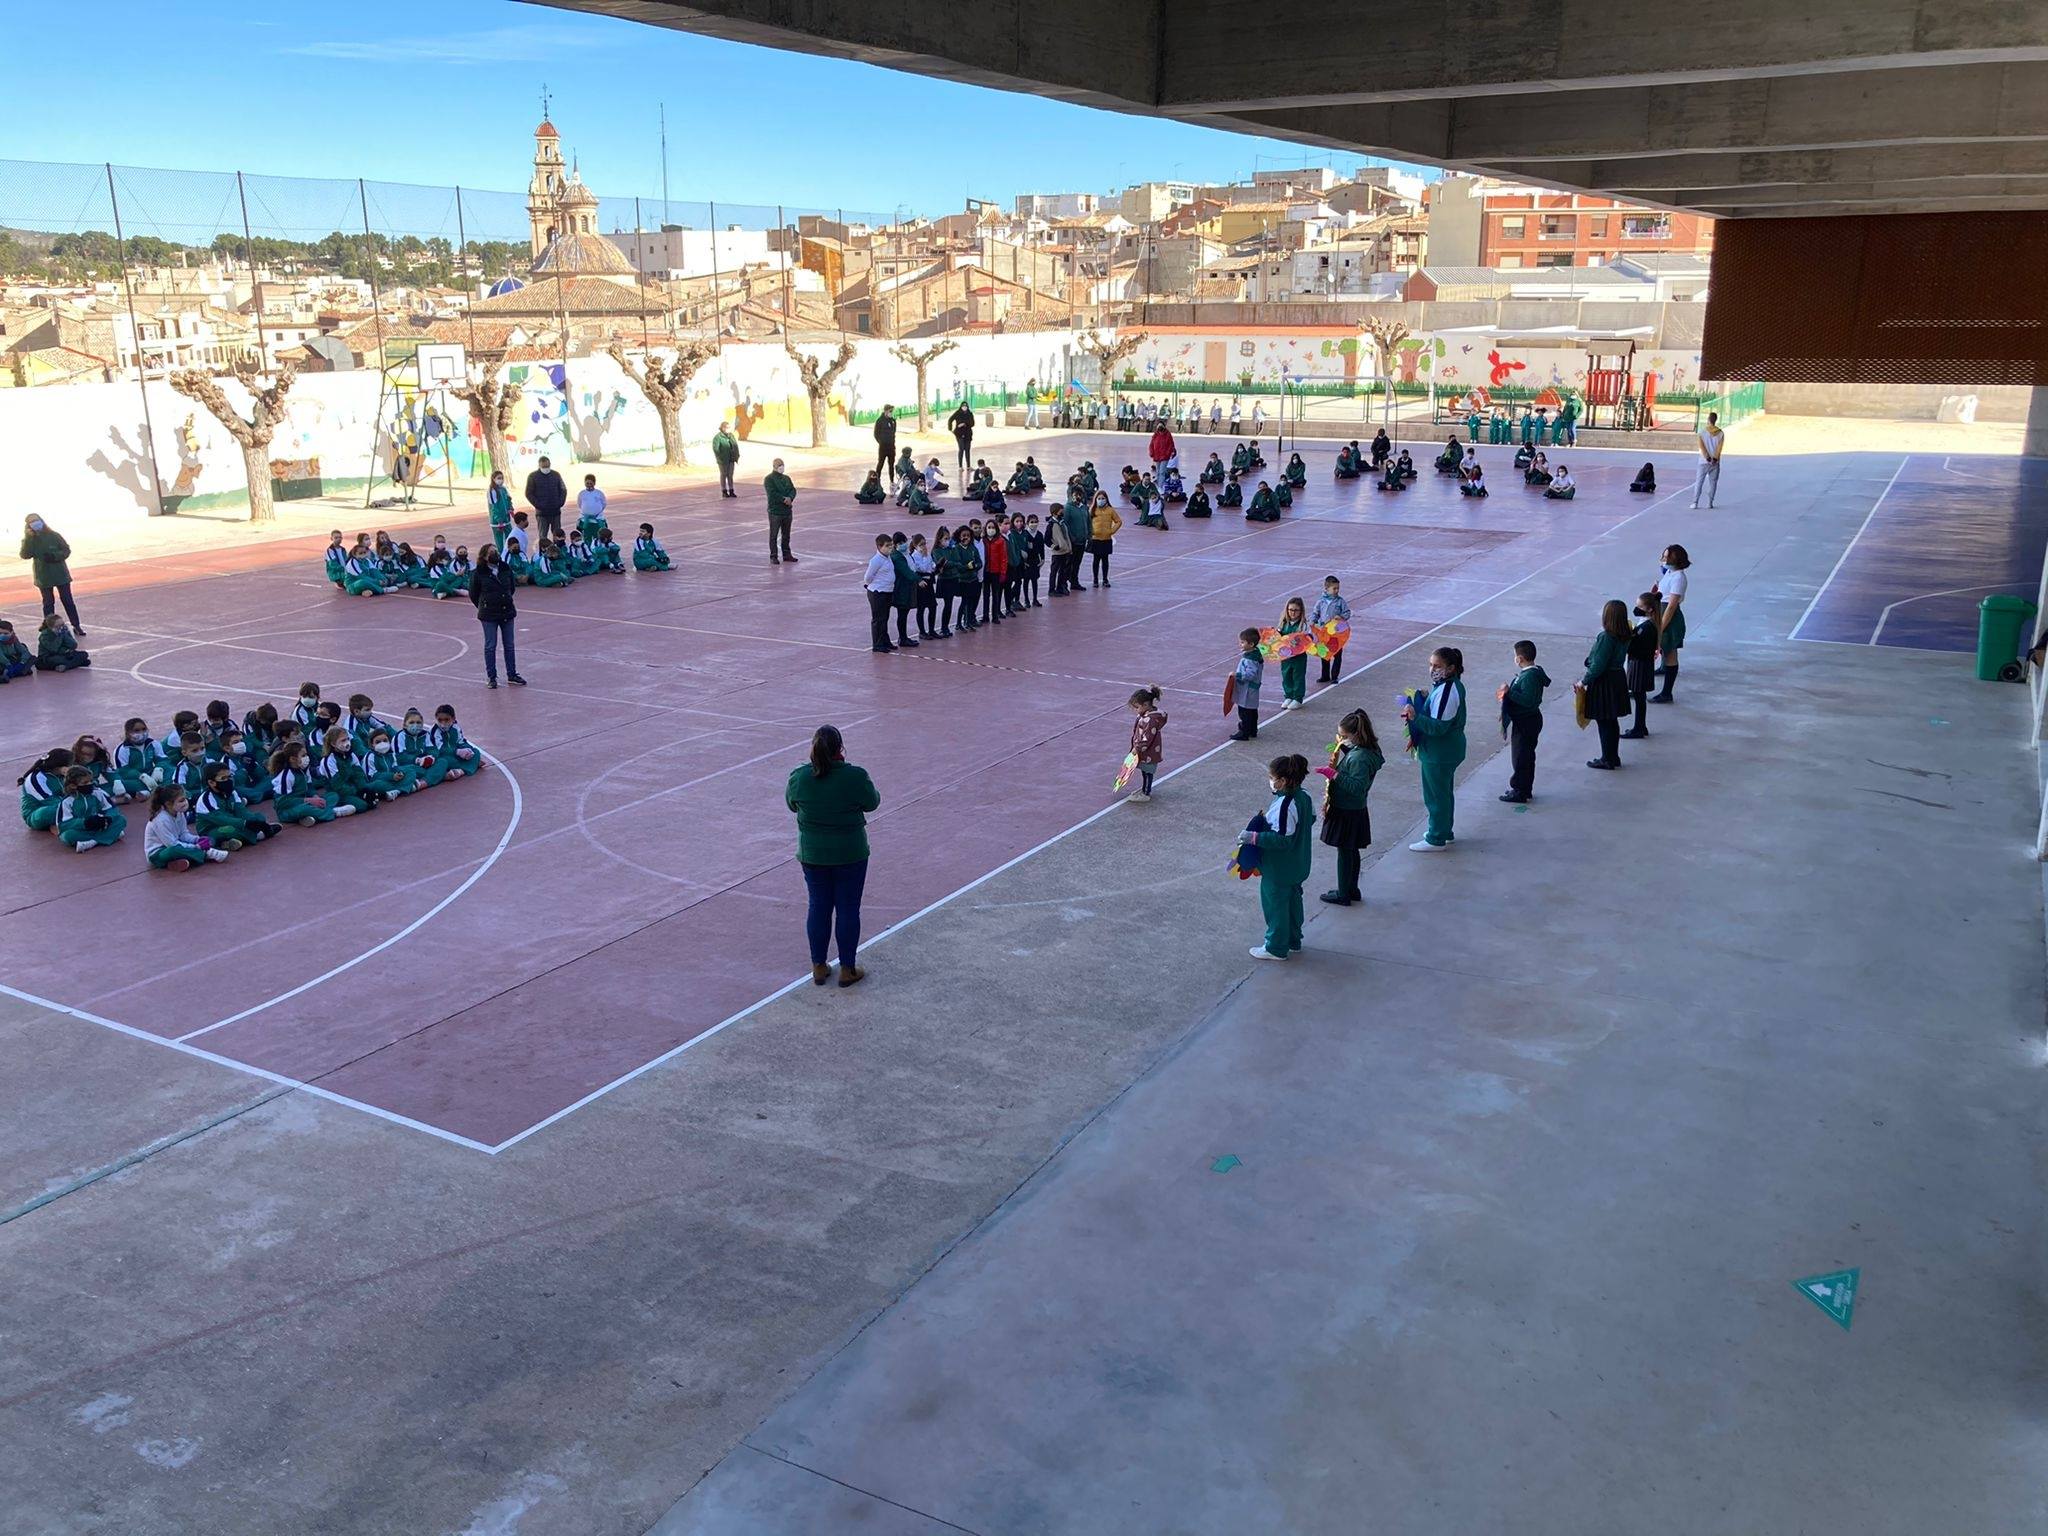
[
  {"x": 579, "y": 255},
  {"x": 577, "y": 195},
  {"x": 546, "y": 130},
  {"x": 504, "y": 285}
]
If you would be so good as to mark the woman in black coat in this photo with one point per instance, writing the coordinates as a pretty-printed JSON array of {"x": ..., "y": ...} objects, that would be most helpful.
[{"x": 491, "y": 589}]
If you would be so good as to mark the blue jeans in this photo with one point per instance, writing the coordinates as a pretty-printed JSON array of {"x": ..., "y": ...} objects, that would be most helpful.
[
  {"x": 835, "y": 903},
  {"x": 493, "y": 628}
]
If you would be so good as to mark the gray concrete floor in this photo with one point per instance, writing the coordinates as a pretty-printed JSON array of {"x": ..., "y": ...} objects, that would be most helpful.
[{"x": 1532, "y": 1147}]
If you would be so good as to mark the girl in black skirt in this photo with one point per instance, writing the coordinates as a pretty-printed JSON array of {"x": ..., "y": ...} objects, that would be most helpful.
[
  {"x": 1642, "y": 662},
  {"x": 1347, "y": 824},
  {"x": 1604, "y": 689}
]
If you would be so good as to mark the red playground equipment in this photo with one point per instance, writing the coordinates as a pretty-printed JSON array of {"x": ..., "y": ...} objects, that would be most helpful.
[{"x": 1607, "y": 384}]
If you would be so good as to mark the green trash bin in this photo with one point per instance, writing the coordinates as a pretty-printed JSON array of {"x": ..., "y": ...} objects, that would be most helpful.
[{"x": 2001, "y": 622}]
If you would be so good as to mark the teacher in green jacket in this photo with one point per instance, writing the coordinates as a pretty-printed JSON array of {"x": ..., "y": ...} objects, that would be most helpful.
[
  {"x": 47, "y": 553},
  {"x": 832, "y": 798}
]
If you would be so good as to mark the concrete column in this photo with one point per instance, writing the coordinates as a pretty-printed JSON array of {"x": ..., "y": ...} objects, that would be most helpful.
[{"x": 2035, "y": 444}]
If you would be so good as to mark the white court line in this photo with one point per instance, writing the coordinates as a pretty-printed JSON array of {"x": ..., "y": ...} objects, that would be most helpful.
[
  {"x": 1850, "y": 547},
  {"x": 897, "y": 927},
  {"x": 242, "y": 1066},
  {"x": 504, "y": 841},
  {"x": 1885, "y": 617}
]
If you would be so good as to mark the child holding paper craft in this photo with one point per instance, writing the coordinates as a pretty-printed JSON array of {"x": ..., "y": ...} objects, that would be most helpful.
[
  {"x": 1347, "y": 822},
  {"x": 1148, "y": 737},
  {"x": 1329, "y": 609},
  {"x": 1243, "y": 689},
  {"x": 1286, "y": 852},
  {"x": 1293, "y": 670}
]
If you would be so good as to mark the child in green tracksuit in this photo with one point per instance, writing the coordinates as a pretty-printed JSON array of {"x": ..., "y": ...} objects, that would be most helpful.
[
  {"x": 578, "y": 556},
  {"x": 86, "y": 817},
  {"x": 648, "y": 555},
  {"x": 1521, "y": 716},
  {"x": 56, "y": 649},
  {"x": 414, "y": 745},
  {"x": 551, "y": 569},
  {"x": 362, "y": 576},
  {"x": 453, "y": 754},
  {"x": 16, "y": 659},
  {"x": 168, "y": 838},
  {"x": 604, "y": 549},
  {"x": 136, "y": 767},
  {"x": 1286, "y": 850},
  {"x": 42, "y": 790},
  {"x": 1293, "y": 669},
  {"x": 188, "y": 770},
  {"x": 336, "y": 560},
  {"x": 517, "y": 563},
  {"x": 341, "y": 777},
  {"x": 387, "y": 773},
  {"x": 1438, "y": 731},
  {"x": 221, "y": 813},
  {"x": 294, "y": 796}
]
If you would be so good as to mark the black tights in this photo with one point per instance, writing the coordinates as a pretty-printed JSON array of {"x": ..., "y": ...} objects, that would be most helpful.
[
  {"x": 1610, "y": 740},
  {"x": 992, "y": 598},
  {"x": 1099, "y": 570},
  {"x": 927, "y": 611}
]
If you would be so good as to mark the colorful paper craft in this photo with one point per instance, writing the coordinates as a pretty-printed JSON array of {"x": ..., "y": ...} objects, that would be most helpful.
[
  {"x": 1319, "y": 640},
  {"x": 1123, "y": 774},
  {"x": 1244, "y": 862}
]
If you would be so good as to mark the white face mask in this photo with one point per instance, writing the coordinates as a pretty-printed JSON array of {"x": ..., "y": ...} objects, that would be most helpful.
[
  {"x": 238, "y": 748},
  {"x": 310, "y": 700},
  {"x": 138, "y": 736},
  {"x": 35, "y": 525}
]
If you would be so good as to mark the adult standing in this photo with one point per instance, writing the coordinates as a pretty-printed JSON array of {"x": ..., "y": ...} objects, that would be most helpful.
[
  {"x": 547, "y": 495},
  {"x": 1671, "y": 585},
  {"x": 1708, "y": 476},
  {"x": 49, "y": 556},
  {"x": 781, "y": 513},
  {"x": 725, "y": 449},
  {"x": 832, "y": 798},
  {"x": 491, "y": 589},
  {"x": 1031, "y": 404},
  {"x": 961, "y": 423},
  {"x": 885, "y": 444},
  {"x": 1163, "y": 451},
  {"x": 1604, "y": 688},
  {"x": 498, "y": 503}
]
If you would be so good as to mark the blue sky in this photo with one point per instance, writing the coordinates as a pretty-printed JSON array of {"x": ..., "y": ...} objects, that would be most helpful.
[{"x": 449, "y": 93}]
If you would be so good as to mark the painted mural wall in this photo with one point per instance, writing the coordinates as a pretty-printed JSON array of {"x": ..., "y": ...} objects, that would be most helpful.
[
  {"x": 85, "y": 447},
  {"x": 1332, "y": 355}
]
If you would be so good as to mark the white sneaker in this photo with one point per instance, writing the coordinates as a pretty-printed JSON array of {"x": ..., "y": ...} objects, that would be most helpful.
[
  {"x": 1260, "y": 952},
  {"x": 1290, "y": 703},
  {"x": 1138, "y": 795},
  {"x": 82, "y": 844},
  {"x": 1426, "y": 846},
  {"x": 216, "y": 856},
  {"x": 344, "y": 810}
]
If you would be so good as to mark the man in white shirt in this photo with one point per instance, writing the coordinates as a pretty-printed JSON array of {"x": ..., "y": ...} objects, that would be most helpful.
[
  {"x": 1708, "y": 476},
  {"x": 880, "y": 582}
]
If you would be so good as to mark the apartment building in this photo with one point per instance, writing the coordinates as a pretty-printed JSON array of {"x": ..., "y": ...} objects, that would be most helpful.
[{"x": 1478, "y": 222}]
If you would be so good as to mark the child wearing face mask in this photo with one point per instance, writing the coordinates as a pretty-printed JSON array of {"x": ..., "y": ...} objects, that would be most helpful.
[
  {"x": 294, "y": 795},
  {"x": 341, "y": 777},
  {"x": 16, "y": 659},
  {"x": 86, "y": 818},
  {"x": 1439, "y": 732},
  {"x": 307, "y": 710},
  {"x": 89, "y": 753},
  {"x": 251, "y": 782},
  {"x": 452, "y": 751},
  {"x": 414, "y": 745},
  {"x": 136, "y": 765},
  {"x": 1282, "y": 834},
  {"x": 388, "y": 775},
  {"x": 220, "y": 812}
]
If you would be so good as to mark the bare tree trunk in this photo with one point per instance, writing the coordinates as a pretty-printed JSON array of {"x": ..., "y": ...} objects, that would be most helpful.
[
  {"x": 494, "y": 444},
  {"x": 923, "y": 422},
  {"x": 671, "y": 435},
  {"x": 256, "y": 467},
  {"x": 819, "y": 403}
]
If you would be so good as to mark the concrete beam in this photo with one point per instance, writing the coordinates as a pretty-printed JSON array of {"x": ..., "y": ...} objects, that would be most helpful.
[
  {"x": 1073, "y": 50},
  {"x": 1212, "y": 52},
  {"x": 1812, "y": 194},
  {"x": 1796, "y": 167},
  {"x": 1969, "y": 104}
]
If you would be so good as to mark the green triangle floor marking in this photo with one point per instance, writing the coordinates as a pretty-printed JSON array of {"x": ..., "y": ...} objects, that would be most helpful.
[
  {"x": 1225, "y": 1163},
  {"x": 1834, "y": 1294}
]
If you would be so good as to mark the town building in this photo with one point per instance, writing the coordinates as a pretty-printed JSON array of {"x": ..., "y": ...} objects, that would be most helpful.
[{"x": 1475, "y": 221}]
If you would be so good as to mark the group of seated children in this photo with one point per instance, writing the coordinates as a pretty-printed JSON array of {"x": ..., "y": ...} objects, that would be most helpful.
[
  {"x": 372, "y": 568},
  {"x": 205, "y": 780},
  {"x": 1558, "y": 485},
  {"x": 1471, "y": 474},
  {"x": 1351, "y": 460},
  {"x": 917, "y": 490},
  {"x": 56, "y": 650}
]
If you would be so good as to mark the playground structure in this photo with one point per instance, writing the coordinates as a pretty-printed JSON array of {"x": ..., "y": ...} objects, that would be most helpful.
[{"x": 414, "y": 420}]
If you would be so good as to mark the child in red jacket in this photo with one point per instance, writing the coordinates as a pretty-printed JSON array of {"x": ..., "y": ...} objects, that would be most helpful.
[
  {"x": 995, "y": 570},
  {"x": 1148, "y": 737}
]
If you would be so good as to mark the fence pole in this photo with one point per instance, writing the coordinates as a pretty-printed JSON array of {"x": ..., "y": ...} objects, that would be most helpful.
[
  {"x": 640, "y": 250},
  {"x": 717, "y": 324},
  {"x": 787, "y": 317},
  {"x": 376, "y": 289},
  {"x": 255, "y": 277},
  {"x": 135, "y": 341},
  {"x": 469, "y": 303}
]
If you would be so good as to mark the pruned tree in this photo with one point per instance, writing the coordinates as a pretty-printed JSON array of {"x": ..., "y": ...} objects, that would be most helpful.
[
  {"x": 491, "y": 404},
  {"x": 1387, "y": 336},
  {"x": 818, "y": 382},
  {"x": 253, "y": 431},
  {"x": 921, "y": 361},
  {"x": 667, "y": 388},
  {"x": 1108, "y": 354}
]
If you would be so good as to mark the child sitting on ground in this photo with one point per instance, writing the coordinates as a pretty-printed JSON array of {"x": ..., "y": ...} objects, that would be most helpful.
[
  {"x": 1199, "y": 505},
  {"x": 15, "y": 658},
  {"x": 552, "y": 568},
  {"x": 1213, "y": 472},
  {"x": 576, "y": 555},
  {"x": 1472, "y": 479},
  {"x": 453, "y": 754},
  {"x": 648, "y": 555},
  {"x": 1562, "y": 487},
  {"x": 169, "y": 841},
  {"x": 361, "y": 574},
  {"x": 86, "y": 817},
  {"x": 1172, "y": 489},
  {"x": 1263, "y": 508},
  {"x": 337, "y": 559},
  {"x": 220, "y": 812},
  {"x": 56, "y": 650},
  {"x": 293, "y": 794},
  {"x": 1296, "y": 472},
  {"x": 1646, "y": 478},
  {"x": 871, "y": 493},
  {"x": 604, "y": 549},
  {"x": 1283, "y": 493}
]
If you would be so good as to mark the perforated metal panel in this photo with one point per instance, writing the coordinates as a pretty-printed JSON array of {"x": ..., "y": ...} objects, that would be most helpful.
[{"x": 1892, "y": 299}]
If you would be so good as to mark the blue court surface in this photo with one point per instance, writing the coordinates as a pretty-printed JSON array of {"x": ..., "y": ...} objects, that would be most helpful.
[{"x": 1947, "y": 531}]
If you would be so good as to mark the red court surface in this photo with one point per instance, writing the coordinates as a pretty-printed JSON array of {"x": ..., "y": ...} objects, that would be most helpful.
[
  {"x": 484, "y": 957},
  {"x": 1948, "y": 530}
]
